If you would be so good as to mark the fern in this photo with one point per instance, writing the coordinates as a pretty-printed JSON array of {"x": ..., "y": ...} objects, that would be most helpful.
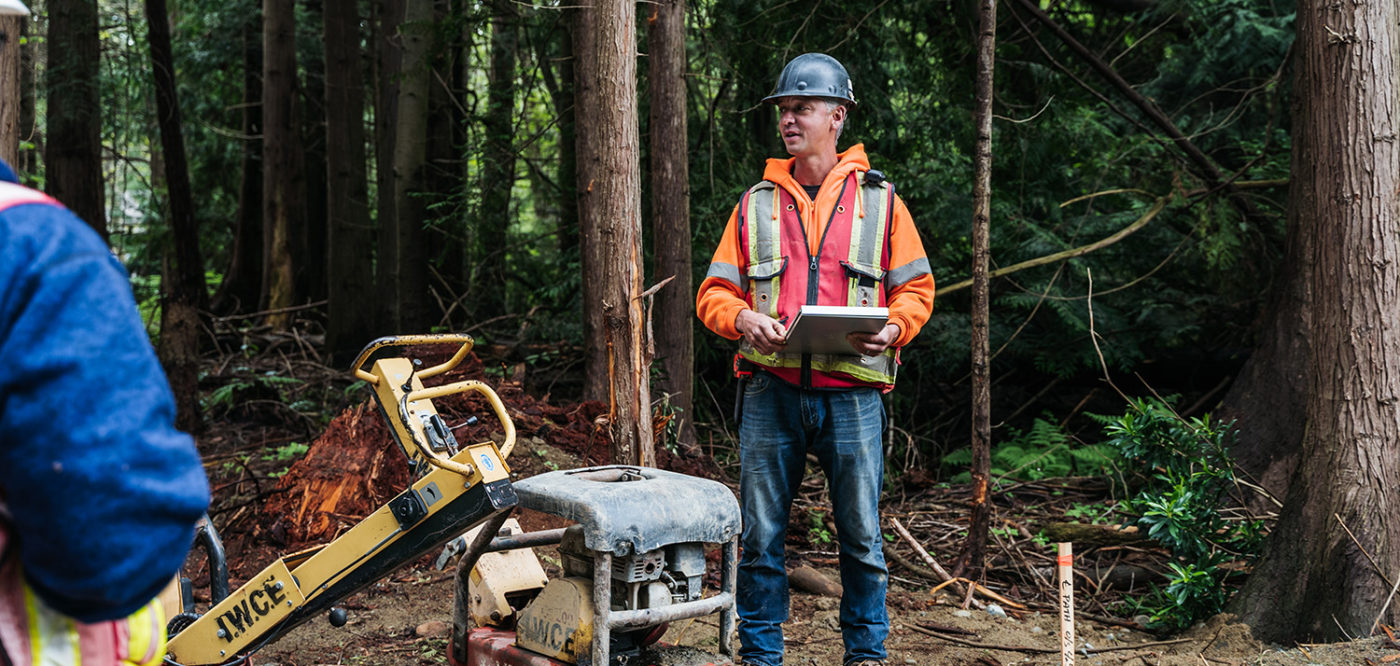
[{"x": 1040, "y": 452}]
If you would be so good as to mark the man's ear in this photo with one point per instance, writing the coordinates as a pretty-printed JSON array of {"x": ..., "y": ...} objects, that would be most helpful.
[{"x": 838, "y": 115}]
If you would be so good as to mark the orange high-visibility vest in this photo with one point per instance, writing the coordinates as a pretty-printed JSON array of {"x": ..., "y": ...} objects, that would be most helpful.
[{"x": 848, "y": 269}]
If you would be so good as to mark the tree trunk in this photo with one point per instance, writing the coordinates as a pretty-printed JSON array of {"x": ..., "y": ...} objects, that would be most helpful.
[
  {"x": 242, "y": 283},
  {"x": 29, "y": 130},
  {"x": 350, "y": 322},
  {"x": 674, "y": 311},
  {"x": 388, "y": 66},
  {"x": 284, "y": 211},
  {"x": 410, "y": 160},
  {"x": 974, "y": 551},
  {"x": 609, "y": 208},
  {"x": 180, "y": 325},
  {"x": 498, "y": 169},
  {"x": 311, "y": 264},
  {"x": 11, "y": 87},
  {"x": 1315, "y": 582},
  {"x": 444, "y": 172},
  {"x": 73, "y": 154},
  {"x": 567, "y": 230}
]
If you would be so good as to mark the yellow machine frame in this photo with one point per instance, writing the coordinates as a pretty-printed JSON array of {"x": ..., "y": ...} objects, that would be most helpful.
[{"x": 456, "y": 493}]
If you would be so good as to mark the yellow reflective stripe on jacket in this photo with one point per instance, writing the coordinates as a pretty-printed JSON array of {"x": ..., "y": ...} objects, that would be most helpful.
[
  {"x": 53, "y": 638},
  {"x": 868, "y": 231},
  {"x": 146, "y": 641},
  {"x": 763, "y": 218},
  {"x": 879, "y": 369}
]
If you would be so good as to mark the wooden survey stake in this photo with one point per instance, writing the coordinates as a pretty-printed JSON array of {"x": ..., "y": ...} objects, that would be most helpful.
[{"x": 1066, "y": 568}]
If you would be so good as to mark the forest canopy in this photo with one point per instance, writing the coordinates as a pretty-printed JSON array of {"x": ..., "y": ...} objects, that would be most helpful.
[{"x": 1167, "y": 118}]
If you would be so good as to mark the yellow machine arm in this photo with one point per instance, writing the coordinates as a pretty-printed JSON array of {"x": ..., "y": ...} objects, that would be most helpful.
[{"x": 460, "y": 488}]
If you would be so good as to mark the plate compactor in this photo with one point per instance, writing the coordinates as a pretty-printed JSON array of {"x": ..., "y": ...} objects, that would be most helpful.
[{"x": 633, "y": 559}]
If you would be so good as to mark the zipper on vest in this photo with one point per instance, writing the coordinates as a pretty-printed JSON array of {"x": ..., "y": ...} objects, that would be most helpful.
[{"x": 814, "y": 271}]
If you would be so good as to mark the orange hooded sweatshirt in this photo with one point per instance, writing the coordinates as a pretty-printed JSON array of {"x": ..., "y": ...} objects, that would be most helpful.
[{"x": 910, "y": 300}]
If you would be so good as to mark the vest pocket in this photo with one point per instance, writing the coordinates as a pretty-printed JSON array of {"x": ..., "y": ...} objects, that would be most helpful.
[
  {"x": 767, "y": 270},
  {"x": 762, "y": 277},
  {"x": 863, "y": 279}
]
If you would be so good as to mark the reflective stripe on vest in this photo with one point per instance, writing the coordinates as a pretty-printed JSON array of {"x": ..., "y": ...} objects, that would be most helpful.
[
  {"x": 33, "y": 634},
  {"x": 860, "y": 222},
  {"x": 53, "y": 638},
  {"x": 12, "y": 194}
]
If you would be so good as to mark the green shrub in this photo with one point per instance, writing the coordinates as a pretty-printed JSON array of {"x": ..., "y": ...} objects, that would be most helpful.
[{"x": 1186, "y": 473}]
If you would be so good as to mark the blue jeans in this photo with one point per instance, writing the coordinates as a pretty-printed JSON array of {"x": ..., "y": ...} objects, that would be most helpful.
[{"x": 781, "y": 425}]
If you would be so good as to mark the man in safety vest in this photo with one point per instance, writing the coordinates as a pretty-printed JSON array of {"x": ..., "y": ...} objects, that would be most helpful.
[
  {"x": 99, "y": 493},
  {"x": 822, "y": 228}
]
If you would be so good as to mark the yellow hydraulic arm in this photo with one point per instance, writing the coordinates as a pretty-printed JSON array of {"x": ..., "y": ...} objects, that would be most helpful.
[{"x": 460, "y": 488}]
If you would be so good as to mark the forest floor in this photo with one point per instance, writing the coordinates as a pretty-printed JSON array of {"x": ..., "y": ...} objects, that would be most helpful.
[{"x": 284, "y": 479}]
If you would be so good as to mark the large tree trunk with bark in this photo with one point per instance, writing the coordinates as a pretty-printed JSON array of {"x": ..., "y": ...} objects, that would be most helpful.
[
  {"x": 350, "y": 279},
  {"x": 180, "y": 325},
  {"x": 242, "y": 283},
  {"x": 609, "y": 187},
  {"x": 284, "y": 210},
  {"x": 11, "y": 87},
  {"x": 674, "y": 312},
  {"x": 73, "y": 154},
  {"x": 410, "y": 277},
  {"x": 1315, "y": 581}
]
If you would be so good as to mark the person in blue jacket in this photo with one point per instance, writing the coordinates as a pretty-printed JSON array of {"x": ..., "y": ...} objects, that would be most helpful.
[{"x": 99, "y": 493}]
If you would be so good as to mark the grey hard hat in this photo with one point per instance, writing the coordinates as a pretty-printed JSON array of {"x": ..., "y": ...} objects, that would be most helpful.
[{"x": 814, "y": 75}]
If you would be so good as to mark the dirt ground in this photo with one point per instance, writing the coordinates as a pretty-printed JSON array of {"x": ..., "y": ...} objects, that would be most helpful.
[
  {"x": 351, "y": 467},
  {"x": 404, "y": 620}
]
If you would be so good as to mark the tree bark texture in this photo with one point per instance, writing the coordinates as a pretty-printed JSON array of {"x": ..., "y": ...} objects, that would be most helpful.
[
  {"x": 310, "y": 267},
  {"x": 563, "y": 97},
  {"x": 242, "y": 284},
  {"x": 73, "y": 152},
  {"x": 974, "y": 552},
  {"x": 674, "y": 309},
  {"x": 186, "y": 290},
  {"x": 11, "y": 87},
  {"x": 1314, "y": 581},
  {"x": 610, "y": 211},
  {"x": 29, "y": 130},
  {"x": 410, "y": 161},
  {"x": 350, "y": 278},
  {"x": 388, "y": 65},
  {"x": 284, "y": 183}
]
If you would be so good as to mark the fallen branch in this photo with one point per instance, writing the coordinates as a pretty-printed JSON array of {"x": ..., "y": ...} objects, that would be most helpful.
[
  {"x": 980, "y": 589},
  {"x": 933, "y": 564}
]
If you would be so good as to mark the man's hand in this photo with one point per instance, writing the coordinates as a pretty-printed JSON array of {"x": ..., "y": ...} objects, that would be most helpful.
[
  {"x": 870, "y": 344},
  {"x": 766, "y": 334}
]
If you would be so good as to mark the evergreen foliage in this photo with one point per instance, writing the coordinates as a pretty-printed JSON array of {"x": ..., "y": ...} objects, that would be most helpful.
[{"x": 1167, "y": 298}]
